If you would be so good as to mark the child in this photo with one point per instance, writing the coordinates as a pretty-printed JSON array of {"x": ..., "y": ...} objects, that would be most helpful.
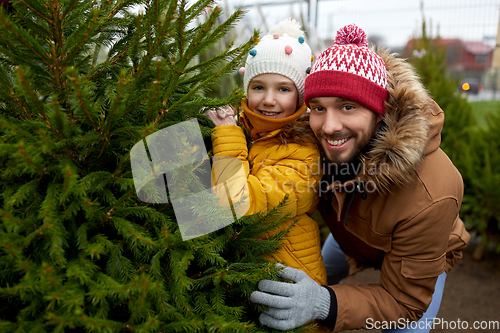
[{"x": 283, "y": 158}]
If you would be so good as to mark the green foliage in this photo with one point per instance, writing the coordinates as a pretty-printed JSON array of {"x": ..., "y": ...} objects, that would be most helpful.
[
  {"x": 431, "y": 66},
  {"x": 473, "y": 148},
  {"x": 481, "y": 110},
  {"x": 481, "y": 166},
  {"x": 229, "y": 81},
  {"x": 79, "y": 250}
]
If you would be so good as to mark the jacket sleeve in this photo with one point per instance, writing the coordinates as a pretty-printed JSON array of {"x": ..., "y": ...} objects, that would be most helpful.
[
  {"x": 293, "y": 171},
  {"x": 408, "y": 274}
]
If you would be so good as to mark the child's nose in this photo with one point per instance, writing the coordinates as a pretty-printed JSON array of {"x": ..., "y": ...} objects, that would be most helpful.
[{"x": 269, "y": 98}]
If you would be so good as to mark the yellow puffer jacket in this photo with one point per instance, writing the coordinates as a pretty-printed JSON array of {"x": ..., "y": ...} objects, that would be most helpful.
[{"x": 274, "y": 171}]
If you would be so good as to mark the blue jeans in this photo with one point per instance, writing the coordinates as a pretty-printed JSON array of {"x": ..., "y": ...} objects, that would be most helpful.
[{"x": 337, "y": 269}]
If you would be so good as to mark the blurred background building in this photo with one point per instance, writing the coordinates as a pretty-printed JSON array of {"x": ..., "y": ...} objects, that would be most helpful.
[{"x": 468, "y": 29}]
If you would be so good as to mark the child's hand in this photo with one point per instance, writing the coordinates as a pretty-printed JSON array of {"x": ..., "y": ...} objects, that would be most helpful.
[{"x": 223, "y": 116}]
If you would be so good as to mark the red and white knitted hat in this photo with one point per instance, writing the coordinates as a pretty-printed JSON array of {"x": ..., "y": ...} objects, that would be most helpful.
[{"x": 349, "y": 69}]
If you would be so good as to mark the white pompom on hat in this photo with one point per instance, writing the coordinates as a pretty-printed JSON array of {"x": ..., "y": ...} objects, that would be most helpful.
[{"x": 282, "y": 51}]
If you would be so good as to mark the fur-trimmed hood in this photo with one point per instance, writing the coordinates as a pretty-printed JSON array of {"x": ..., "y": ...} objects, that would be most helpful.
[{"x": 413, "y": 124}]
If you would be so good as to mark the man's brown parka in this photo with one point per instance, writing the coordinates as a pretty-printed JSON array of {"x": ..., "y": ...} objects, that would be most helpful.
[{"x": 401, "y": 212}]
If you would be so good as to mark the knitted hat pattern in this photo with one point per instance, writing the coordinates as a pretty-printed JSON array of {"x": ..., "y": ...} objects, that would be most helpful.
[
  {"x": 282, "y": 51},
  {"x": 349, "y": 69}
]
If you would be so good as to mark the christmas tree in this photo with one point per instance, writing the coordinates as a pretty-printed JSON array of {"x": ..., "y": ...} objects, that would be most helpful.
[
  {"x": 473, "y": 149},
  {"x": 80, "y": 251},
  {"x": 429, "y": 59}
]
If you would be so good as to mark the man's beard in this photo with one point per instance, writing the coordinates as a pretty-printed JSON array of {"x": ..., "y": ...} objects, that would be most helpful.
[
  {"x": 342, "y": 170},
  {"x": 334, "y": 156}
]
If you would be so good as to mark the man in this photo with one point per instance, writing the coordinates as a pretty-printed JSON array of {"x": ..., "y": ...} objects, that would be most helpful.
[{"x": 390, "y": 196}]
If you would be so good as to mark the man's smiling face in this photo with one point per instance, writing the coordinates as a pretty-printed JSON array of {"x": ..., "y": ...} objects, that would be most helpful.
[{"x": 343, "y": 127}]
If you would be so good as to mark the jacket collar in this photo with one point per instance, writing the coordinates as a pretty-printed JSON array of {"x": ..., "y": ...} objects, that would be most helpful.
[{"x": 258, "y": 124}]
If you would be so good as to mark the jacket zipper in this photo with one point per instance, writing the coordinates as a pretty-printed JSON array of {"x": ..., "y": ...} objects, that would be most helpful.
[{"x": 359, "y": 187}]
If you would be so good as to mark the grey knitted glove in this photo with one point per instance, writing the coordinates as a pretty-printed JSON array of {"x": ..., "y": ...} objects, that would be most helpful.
[{"x": 291, "y": 304}]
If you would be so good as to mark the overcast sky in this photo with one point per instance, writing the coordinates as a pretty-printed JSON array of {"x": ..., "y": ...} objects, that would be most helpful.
[{"x": 395, "y": 21}]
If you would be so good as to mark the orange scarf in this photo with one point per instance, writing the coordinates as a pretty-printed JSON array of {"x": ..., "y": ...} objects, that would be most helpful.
[{"x": 255, "y": 123}]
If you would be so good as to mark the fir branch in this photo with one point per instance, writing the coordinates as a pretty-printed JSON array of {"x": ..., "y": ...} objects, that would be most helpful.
[
  {"x": 154, "y": 94},
  {"x": 80, "y": 37},
  {"x": 81, "y": 99},
  {"x": 195, "y": 9},
  {"x": 138, "y": 240},
  {"x": 137, "y": 37},
  {"x": 34, "y": 98},
  {"x": 13, "y": 223},
  {"x": 69, "y": 11},
  {"x": 153, "y": 49},
  {"x": 14, "y": 127},
  {"x": 29, "y": 161},
  {"x": 22, "y": 106},
  {"x": 36, "y": 11},
  {"x": 118, "y": 172},
  {"x": 182, "y": 283},
  {"x": 70, "y": 176},
  {"x": 167, "y": 23},
  {"x": 81, "y": 269},
  {"x": 120, "y": 6},
  {"x": 156, "y": 264},
  {"x": 124, "y": 197},
  {"x": 146, "y": 286},
  {"x": 152, "y": 15},
  {"x": 95, "y": 181},
  {"x": 210, "y": 79},
  {"x": 118, "y": 266},
  {"x": 23, "y": 192},
  {"x": 48, "y": 213},
  {"x": 58, "y": 36},
  {"x": 180, "y": 29},
  {"x": 214, "y": 61},
  {"x": 7, "y": 326},
  {"x": 108, "y": 120},
  {"x": 127, "y": 267},
  {"x": 6, "y": 83},
  {"x": 123, "y": 43},
  {"x": 59, "y": 118},
  {"x": 73, "y": 208},
  {"x": 56, "y": 67},
  {"x": 202, "y": 40},
  {"x": 25, "y": 39}
]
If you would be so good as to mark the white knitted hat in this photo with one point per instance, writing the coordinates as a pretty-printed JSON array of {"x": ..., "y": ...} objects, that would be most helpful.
[{"x": 283, "y": 51}]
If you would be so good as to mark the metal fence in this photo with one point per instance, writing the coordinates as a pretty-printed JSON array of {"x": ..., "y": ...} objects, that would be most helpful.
[{"x": 389, "y": 23}]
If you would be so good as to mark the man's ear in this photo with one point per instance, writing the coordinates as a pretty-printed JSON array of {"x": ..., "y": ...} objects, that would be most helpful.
[{"x": 379, "y": 117}]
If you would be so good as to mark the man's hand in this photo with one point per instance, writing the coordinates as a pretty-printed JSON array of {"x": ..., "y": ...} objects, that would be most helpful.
[
  {"x": 291, "y": 304},
  {"x": 223, "y": 116}
]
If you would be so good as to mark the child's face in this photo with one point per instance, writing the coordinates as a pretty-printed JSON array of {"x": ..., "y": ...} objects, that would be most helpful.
[{"x": 272, "y": 96}]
